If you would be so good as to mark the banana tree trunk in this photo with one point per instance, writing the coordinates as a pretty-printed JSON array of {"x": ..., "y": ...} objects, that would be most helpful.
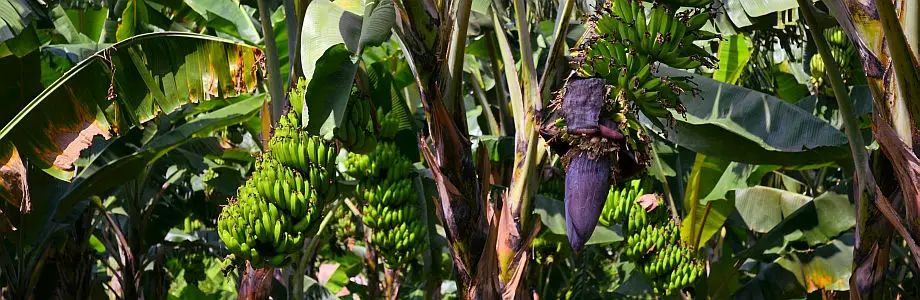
[
  {"x": 430, "y": 38},
  {"x": 256, "y": 284},
  {"x": 891, "y": 69}
]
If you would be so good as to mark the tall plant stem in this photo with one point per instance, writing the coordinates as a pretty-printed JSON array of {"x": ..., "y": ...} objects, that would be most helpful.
[
  {"x": 275, "y": 86},
  {"x": 296, "y": 286},
  {"x": 455, "y": 54},
  {"x": 851, "y": 125}
]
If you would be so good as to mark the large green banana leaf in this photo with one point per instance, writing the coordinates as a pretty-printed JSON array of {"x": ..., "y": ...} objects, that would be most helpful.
[
  {"x": 744, "y": 125},
  {"x": 126, "y": 85},
  {"x": 120, "y": 87}
]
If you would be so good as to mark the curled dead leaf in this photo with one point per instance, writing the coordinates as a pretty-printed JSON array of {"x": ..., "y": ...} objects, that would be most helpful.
[{"x": 14, "y": 188}]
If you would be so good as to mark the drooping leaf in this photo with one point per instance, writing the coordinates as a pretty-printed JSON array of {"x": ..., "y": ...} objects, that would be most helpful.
[
  {"x": 133, "y": 20},
  {"x": 15, "y": 17},
  {"x": 329, "y": 55},
  {"x": 230, "y": 11},
  {"x": 88, "y": 21},
  {"x": 733, "y": 57},
  {"x": 97, "y": 179},
  {"x": 748, "y": 126},
  {"x": 65, "y": 27},
  {"x": 379, "y": 17},
  {"x": 14, "y": 188},
  {"x": 126, "y": 85},
  {"x": 762, "y": 208}
]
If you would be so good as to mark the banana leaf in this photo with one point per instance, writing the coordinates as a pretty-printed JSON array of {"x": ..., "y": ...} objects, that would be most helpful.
[{"x": 124, "y": 86}]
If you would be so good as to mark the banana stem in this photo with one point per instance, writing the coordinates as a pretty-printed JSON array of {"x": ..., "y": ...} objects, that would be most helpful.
[
  {"x": 455, "y": 55},
  {"x": 865, "y": 180},
  {"x": 296, "y": 285},
  {"x": 857, "y": 145},
  {"x": 392, "y": 282},
  {"x": 275, "y": 87},
  {"x": 664, "y": 181}
]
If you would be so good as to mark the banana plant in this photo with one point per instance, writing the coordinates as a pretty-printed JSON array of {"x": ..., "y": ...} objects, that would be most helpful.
[
  {"x": 90, "y": 107},
  {"x": 890, "y": 62}
]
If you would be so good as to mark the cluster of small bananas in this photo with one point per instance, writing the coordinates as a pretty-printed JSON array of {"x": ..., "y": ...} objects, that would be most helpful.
[
  {"x": 672, "y": 268},
  {"x": 844, "y": 54},
  {"x": 389, "y": 125},
  {"x": 615, "y": 209},
  {"x": 652, "y": 239},
  {"x": 191, "y": 259},
  {"x": 191, "y": 224},
  {"x": 389, "y": 203},
  {"x": 345, "y": 227},
  {"x": 356, "y": 131},
  {"x": 284, "y": 199},
  {"x": 625, "y": 43}
]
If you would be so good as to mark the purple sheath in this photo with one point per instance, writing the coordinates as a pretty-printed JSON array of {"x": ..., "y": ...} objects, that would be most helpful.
[
  {"x": 582, "y": 104},
  {"x": 586, "y": 184}
]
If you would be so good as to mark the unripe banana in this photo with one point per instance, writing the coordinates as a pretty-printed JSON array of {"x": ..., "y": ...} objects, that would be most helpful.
[
  {"x": 283, "y": 199},
  {"x": 356, "y": 132},
  {"x": 385, "y": 186}
]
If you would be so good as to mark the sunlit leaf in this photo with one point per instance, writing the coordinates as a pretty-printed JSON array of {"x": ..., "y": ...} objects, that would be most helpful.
[
  {"x": 733, "y": 57},
  {"x": 231, "y": 11},
  {"x": 329, "y": 55},
  {"x": 827, "y": 267},
  {"x": 133, "y": 20},
  {"x": 762, "y": 208}
]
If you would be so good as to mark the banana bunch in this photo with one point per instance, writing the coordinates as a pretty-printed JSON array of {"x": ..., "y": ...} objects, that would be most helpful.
[
  {"x": 191, "y": 259},
  {"x": 619, "y": 202},
  {"x": 651, "y": 237},
  {"x": 664, "y": 35},
  {"x": 385, "y": 160},
  {"x": 191, "y": 224},
  {"x": 660, "y": 256},
  {"x": 345, "y": 227},
  {"x": 844, "y": 54},
  {"x": 282, "y": 202},
  {"x": 302, "y": 151},
  {"x": 679, "y": 276},
  {"x": 356, "y": 133},
  {"x": 385, "y": 187},
  {"x": 256, "y": 230},
  {"x": 389, "y": 124},
  {"x": 624, "y": 46},
  {"x": 664, "y": 261}
]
